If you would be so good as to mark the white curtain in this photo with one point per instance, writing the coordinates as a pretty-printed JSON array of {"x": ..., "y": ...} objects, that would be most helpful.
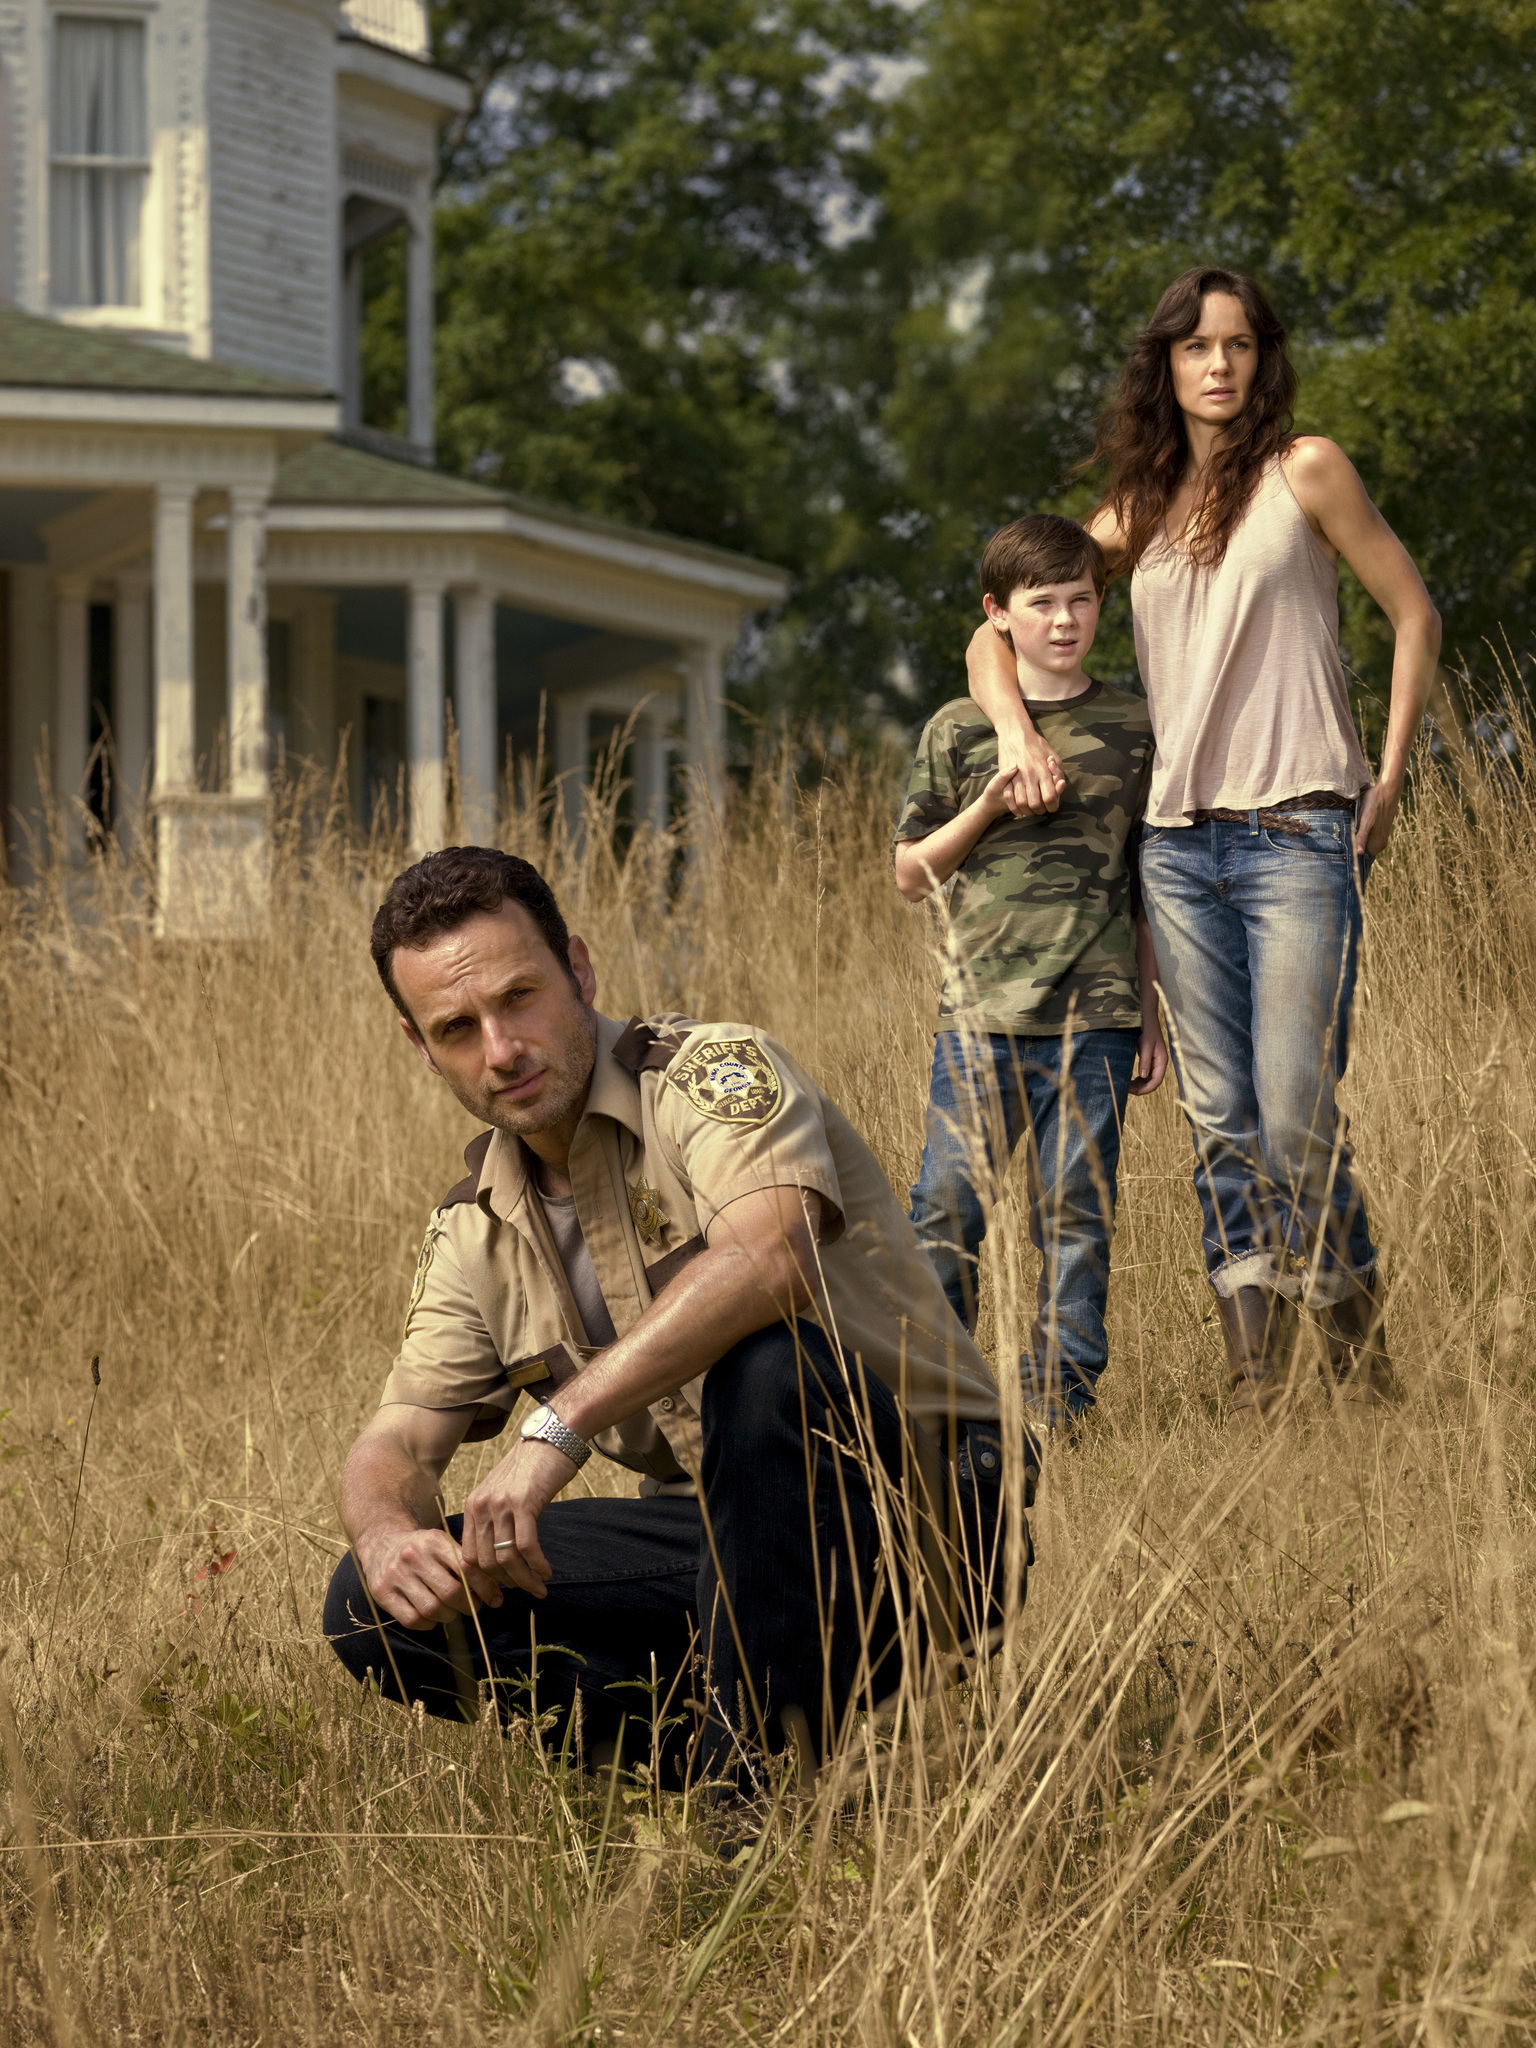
[{"x": 96, "y": 207}]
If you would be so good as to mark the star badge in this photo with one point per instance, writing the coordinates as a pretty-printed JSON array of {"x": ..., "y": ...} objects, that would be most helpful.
[{"x": 645, "y": 1207}]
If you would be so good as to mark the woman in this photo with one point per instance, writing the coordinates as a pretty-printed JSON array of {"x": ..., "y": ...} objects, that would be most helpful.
[{"x": 1262, "y": 818}]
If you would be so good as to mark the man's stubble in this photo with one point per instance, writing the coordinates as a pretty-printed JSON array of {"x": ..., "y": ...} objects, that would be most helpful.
[{"x": 568, "y": 1075}]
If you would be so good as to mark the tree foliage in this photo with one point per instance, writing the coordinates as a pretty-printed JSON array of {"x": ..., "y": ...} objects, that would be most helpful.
[{"x": 704, "y": 269}]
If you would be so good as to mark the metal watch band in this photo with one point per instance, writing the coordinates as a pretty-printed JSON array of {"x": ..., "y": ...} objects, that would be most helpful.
[{"x": 547, "y": 1428}]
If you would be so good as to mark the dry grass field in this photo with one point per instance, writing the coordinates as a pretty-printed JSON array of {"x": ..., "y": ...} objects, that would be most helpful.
[{"x": 1260, "y": 1761}]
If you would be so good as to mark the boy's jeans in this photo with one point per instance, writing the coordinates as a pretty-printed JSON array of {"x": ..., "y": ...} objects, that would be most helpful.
[
  {"x": 1257, "y": 935},
  {"x": 987, "y": 1089}
]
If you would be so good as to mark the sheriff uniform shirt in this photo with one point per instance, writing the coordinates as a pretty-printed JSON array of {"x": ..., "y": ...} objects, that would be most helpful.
[{"x": 718, "y": 1111}]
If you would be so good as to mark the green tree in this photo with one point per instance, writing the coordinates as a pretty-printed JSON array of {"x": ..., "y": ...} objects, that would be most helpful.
[
  {"x": 1412, "y": 186},
  {"x": 1048, "y": 172},
  {"x": 699, "y": 271},
  {"x": 636, "y": 249}
]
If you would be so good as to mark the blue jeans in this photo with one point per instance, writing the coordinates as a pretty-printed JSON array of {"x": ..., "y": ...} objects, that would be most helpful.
[
  {"x": 1257, "y": 935},
  {"x": 987, "y": 1089}
]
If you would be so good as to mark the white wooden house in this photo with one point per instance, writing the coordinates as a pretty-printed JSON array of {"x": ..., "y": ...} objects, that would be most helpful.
[{"x": 203, "y": 550}]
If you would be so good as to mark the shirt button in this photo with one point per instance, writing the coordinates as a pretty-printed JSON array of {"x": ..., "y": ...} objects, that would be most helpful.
[
  {"x": 988, "y": 1460},
  {"x": 666, "y": 1404}
]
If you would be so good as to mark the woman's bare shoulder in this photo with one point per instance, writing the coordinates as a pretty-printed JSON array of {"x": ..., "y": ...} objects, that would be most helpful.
[
  {"x": 1314, "y": 459},
  {"x": 1107, "y": 530},
  {"x": 1325, "y": 482}
]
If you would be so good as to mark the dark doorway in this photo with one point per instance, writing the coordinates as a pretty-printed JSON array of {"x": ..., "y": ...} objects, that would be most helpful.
[
  {"x": 383, "y": 755},
  {"x": 101, "y": 797}
]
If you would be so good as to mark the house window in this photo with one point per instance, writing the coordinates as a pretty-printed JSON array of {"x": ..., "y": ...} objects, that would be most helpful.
[{"x": 100, "y": 162}]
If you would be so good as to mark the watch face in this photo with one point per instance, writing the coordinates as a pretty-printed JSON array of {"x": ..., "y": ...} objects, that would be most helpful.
[{"x": 534, "y": 1421}]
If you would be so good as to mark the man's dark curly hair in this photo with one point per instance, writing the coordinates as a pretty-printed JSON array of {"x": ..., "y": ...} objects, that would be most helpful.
[{"x": 444, "y": 890}]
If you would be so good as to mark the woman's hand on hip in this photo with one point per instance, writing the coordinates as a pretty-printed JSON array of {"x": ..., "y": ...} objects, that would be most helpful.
[{"x": 1373, "y": 821}]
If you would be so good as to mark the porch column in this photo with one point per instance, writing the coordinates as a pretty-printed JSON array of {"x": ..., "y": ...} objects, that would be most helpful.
[
  {"x": 72, "y": 703},
  {"x": 246, "y": 612},
  {"x": 130, "y": 695},
  {"x": 703, "y": 668},
  {"x": 424, "y": 716},
  {"x": 421, "y": 425},
  {"x": 650, "y": 771},
  {"x": 349, "y": 382},
  {"x": 474, "y": 696},
  {"x": 175, "y": 688},
  {"x": 571, "y": 759}
]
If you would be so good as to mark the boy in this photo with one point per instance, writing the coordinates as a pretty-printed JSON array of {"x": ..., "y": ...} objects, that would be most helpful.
[{"x": 1048, "y": 1019}]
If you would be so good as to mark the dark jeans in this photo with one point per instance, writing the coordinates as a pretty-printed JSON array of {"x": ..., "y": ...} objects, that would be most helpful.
[
  {"x": 777, "y": 1576},
  {"x": 987, "y": 1090}
]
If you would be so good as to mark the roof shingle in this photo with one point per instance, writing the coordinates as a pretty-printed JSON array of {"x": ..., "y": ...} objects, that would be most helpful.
[{"x": 48, "y": 354}]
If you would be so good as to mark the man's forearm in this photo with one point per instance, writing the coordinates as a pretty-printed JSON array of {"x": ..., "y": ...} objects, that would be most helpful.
[
  {"x": 384, "y": 1490},
  {"x": 720, "y": 1297}
]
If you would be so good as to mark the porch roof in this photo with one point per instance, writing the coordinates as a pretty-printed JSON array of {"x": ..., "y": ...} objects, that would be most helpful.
[
  {"x": 338, "y": 473},
  {"x": 41, "y": 354}
]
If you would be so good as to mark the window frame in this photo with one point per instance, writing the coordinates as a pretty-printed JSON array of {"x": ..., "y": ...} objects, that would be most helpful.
[{"x": 149, "y": 312}]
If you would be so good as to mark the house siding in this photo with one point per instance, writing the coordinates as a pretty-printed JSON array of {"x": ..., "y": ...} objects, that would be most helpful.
[
  {"x": 273, "y": 246},
  {"x": 17, "y": 120}
]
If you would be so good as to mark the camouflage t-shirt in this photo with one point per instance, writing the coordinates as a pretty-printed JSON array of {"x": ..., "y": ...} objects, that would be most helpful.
[{"x": 1040, "y": 910}]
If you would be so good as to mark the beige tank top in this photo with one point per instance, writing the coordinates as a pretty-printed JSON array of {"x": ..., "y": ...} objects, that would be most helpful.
[{"x": 1241, "y": 667}]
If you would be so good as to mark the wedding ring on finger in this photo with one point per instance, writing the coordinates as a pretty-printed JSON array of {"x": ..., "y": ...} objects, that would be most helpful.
[{"x": 508, "y": 1545}]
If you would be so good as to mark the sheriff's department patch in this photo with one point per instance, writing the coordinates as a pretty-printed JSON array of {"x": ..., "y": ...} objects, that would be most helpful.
[{"x": 730, "y": 1079}]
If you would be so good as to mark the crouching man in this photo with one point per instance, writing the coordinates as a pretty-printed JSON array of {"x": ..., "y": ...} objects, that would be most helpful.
[{"x": 683, "y": 1254}]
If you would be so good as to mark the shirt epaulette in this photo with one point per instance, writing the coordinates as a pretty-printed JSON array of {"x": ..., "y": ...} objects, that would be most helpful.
[
  {"x": 466, "y": 1189},
  {"x": 645, "y": 1050}
]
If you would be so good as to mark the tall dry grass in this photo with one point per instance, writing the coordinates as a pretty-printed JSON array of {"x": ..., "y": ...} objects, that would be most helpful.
[{"x": 1261, "y": 1760}]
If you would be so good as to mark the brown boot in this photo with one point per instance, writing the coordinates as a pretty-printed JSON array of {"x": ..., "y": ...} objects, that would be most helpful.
[
  {"x": 1357, "y": 1365},
  {"x": 1259, "y": 1328}
]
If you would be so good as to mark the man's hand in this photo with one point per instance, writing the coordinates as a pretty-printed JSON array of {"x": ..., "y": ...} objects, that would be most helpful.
[
  {"x": 501, "y": 1516},
  {"x": 1373, "y": 827},
  {"x": 391, "y": 1509},
  {"x": 418, "y": 1578}
]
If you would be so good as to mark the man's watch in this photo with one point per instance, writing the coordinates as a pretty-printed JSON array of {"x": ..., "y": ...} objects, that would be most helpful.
[{"x": 543, "y": 1425}]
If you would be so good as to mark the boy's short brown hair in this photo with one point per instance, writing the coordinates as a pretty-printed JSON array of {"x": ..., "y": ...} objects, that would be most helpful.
[{"x": 1043, "y": 548}]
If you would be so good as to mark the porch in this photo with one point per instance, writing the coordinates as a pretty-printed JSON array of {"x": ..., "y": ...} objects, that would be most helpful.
[{"x": 196, "y": 582}]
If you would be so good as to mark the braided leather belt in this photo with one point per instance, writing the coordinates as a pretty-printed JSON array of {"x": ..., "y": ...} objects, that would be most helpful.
[{"x": 1273, "y": 817}]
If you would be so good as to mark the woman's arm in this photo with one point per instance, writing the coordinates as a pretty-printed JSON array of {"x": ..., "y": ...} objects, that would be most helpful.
[
  {"x": 1037, "y": 779},
  {"x": 923, "y": 864},
  {"x": 1330, "y": 493}
]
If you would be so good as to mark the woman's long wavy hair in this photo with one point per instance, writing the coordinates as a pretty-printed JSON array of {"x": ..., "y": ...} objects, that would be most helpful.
[{"x": 1142, "y": 437}]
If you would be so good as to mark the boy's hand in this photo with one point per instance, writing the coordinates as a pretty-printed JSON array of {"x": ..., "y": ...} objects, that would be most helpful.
[
  {"x": 1151, "y": 1059},
  {"x": 995, "y": 800}
]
